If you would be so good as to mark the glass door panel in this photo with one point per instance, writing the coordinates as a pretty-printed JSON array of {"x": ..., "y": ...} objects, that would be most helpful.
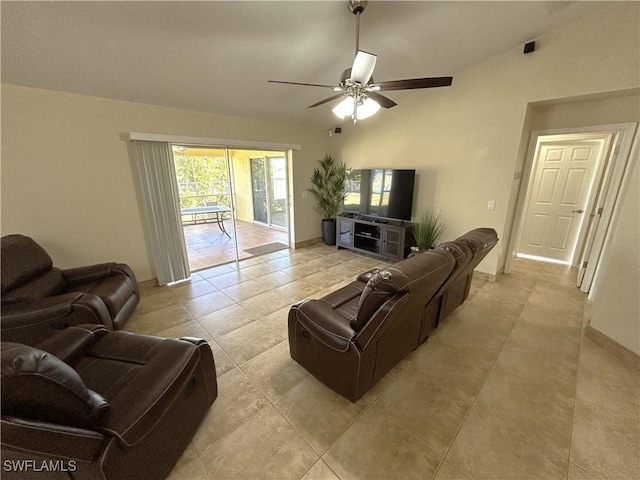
[
  {"x": 206, "y": 204},
  {"x": 277, "y": 170},
  {"x": 259, "y": 190}
]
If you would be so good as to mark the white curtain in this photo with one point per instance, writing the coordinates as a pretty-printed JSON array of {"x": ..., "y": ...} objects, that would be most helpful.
[{"x": 153, "y": 164}]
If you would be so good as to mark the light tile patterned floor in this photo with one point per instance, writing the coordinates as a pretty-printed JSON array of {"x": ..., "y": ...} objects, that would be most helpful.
[{"x": 508, "y": 387}]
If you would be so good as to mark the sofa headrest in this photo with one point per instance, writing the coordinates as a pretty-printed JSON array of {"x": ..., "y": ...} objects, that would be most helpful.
[
  {"x": 381, "y": 286},
  {"x": 22, "y": 260},
  {"x": 461, "y": 252},
  {"x": 479, "y": 239},
  {"x": 37, "y": 385}
]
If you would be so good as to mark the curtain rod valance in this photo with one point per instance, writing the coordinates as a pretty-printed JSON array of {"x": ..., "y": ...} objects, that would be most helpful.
[{"x": 219, "y": 142}]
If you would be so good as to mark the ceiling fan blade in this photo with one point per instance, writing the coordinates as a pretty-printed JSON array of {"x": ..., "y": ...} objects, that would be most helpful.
[
  {"x": 415, "y": 83},
  {"x": 383, "y": 101},
  {"x": 326, "y": 100},
  {"x": 303, "y": 84},
  {"x": 363, "y": 66}
]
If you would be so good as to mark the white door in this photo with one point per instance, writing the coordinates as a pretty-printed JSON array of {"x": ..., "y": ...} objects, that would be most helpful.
[{"x": 557, "y": 202}]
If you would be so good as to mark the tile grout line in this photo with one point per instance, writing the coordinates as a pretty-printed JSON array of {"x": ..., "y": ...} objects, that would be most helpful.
[{"x": 475, "y": 398}]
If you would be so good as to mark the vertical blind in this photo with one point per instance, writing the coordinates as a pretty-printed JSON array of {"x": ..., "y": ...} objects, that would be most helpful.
[{"x": 156, "y": 177}]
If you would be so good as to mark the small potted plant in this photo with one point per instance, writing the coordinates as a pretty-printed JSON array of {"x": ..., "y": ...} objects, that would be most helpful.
[
  {"x": 427, "y": 229},
  {"x": 328, "y": 188}
]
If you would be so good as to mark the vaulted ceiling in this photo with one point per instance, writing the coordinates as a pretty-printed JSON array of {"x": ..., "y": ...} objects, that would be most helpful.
[{"x": 217, "y": 56}]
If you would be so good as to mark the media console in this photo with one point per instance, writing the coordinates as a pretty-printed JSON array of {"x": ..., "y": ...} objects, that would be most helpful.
[{"x": 390, "y": 239}]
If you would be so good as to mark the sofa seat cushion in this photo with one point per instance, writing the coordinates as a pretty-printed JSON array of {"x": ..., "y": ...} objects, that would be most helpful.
[
  {"x": 39, "y": 386},
  {"x": 114, "y": 290},
  {"x": 141, "y": 377}
]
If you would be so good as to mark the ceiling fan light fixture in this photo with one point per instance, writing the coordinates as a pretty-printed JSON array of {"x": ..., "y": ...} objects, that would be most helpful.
[
  {"x": 367, "y": 109},
  {"x": 357, "y": 109},
  {"x": 344, "y": 108}
]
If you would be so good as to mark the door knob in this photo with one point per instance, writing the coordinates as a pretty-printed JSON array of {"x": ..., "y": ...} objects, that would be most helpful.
[{"x": 577, "y": 211}]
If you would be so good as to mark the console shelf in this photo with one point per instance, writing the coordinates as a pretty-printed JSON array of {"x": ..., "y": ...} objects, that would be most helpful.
[{"x": 390, "y": 239}]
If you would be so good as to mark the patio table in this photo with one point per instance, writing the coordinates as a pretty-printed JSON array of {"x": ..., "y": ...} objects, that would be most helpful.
[{"x": 217, "y": 211}]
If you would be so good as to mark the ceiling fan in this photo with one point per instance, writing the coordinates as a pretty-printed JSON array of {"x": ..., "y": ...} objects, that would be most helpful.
[{"x": 357, "y": 84}]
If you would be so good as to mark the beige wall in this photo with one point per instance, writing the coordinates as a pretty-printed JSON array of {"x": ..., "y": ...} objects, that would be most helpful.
[
  {"x": 466, "y": 141},
  {"x": 67, "y": 179}
]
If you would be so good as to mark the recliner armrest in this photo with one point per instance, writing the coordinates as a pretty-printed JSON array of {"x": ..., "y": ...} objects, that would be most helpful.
[
  {"x": 89, "y": 273},
  {"x": 69, "y": 344},
  {"x": 325, "y": 324},
  {"x": 33, "y": 321}
]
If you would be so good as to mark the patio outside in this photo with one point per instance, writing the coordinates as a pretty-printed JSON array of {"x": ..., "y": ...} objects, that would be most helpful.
[{"x": 205, "y": 185}]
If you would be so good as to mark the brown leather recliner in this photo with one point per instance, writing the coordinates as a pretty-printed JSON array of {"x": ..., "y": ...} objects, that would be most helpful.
[
  {"x": 352, "y": 337},
  {"x": 34, "y": 291},
  {"x": 89, "y": 403}
]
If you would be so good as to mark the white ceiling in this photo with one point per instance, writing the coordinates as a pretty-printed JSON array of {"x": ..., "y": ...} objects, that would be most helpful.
[{"x": 217, "y": 56}]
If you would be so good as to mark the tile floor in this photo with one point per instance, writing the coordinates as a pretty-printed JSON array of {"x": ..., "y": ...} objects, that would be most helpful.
[
  {"x": 509, "y": 386},
  {"x": 207, "y": 245}
]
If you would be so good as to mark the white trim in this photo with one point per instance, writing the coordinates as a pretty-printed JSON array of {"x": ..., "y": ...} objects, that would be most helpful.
[
  {"x": 628, "y": 155},
  {"x": 625, "y": 135},
  {"x": 209, "y": 141}
]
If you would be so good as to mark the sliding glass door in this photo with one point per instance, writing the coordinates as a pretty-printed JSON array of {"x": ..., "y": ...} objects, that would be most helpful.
[{"x": 233, "y": 202}]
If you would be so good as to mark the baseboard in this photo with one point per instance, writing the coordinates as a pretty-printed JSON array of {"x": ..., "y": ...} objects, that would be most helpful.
[
  {"x": 489, "y": 277},
  {"x": 307, "y": 243},
  {"x": 148, "y": 284},
  {"x": 621, "y": 352}
]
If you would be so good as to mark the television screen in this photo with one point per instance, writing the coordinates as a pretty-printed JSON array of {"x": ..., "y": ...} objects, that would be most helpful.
[{"x": 380, "y": 192}]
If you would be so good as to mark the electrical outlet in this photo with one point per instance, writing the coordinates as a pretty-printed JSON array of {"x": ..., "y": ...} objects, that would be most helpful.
[{"x": 491, "y": 205}]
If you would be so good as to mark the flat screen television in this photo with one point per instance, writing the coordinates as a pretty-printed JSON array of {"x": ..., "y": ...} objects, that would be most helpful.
[{"x": 380, "y": 192}]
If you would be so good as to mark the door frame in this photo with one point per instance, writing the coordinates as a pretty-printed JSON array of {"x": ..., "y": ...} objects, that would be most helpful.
[
  {"x": 539, "y": 141},
  {"x": 615, "y": 173}
]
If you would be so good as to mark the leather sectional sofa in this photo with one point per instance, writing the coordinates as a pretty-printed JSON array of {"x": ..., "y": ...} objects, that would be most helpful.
[{"x": 352, "y": 337}]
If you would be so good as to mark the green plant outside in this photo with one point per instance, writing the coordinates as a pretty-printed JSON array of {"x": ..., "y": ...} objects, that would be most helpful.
[
  {"x": 328, "y": 186},
  {"x": 427, "y": 229},
  {"x": 202, "y": 180}
]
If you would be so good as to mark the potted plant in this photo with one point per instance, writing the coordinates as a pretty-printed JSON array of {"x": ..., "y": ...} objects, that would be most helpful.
[
  {"x": 328, "y": 188},
  {"x": 426, "y": 231}
]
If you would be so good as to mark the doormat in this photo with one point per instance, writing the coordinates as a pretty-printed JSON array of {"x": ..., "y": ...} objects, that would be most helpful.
[{"x": 268, "y": 248}]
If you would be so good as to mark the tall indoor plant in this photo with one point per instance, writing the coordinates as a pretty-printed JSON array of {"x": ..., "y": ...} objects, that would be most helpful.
[
  {"x": 328, "y": 188},
  {"x": 427, "y": 229}
]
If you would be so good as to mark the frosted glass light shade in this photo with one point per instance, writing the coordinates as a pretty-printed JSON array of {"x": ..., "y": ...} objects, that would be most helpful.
[
  {"x": 344, "y": 108},
  {"x": 364, "y": 110},
  {"x": 369, "y": 107}
]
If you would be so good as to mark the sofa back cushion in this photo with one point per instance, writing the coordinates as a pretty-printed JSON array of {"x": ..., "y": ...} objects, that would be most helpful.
[
  {"x": 461, "y": 252},
  {"x": 382, "y": 285},
  {"x": 22, "y": 260},
  {"x": 37, "y": 385},
  {"x": 479, "y": 239},
  {"x": 48, "y": 284}
]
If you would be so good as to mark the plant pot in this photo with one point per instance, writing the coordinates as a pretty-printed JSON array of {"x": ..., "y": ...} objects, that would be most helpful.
[{"x": 329, "y": 231}]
